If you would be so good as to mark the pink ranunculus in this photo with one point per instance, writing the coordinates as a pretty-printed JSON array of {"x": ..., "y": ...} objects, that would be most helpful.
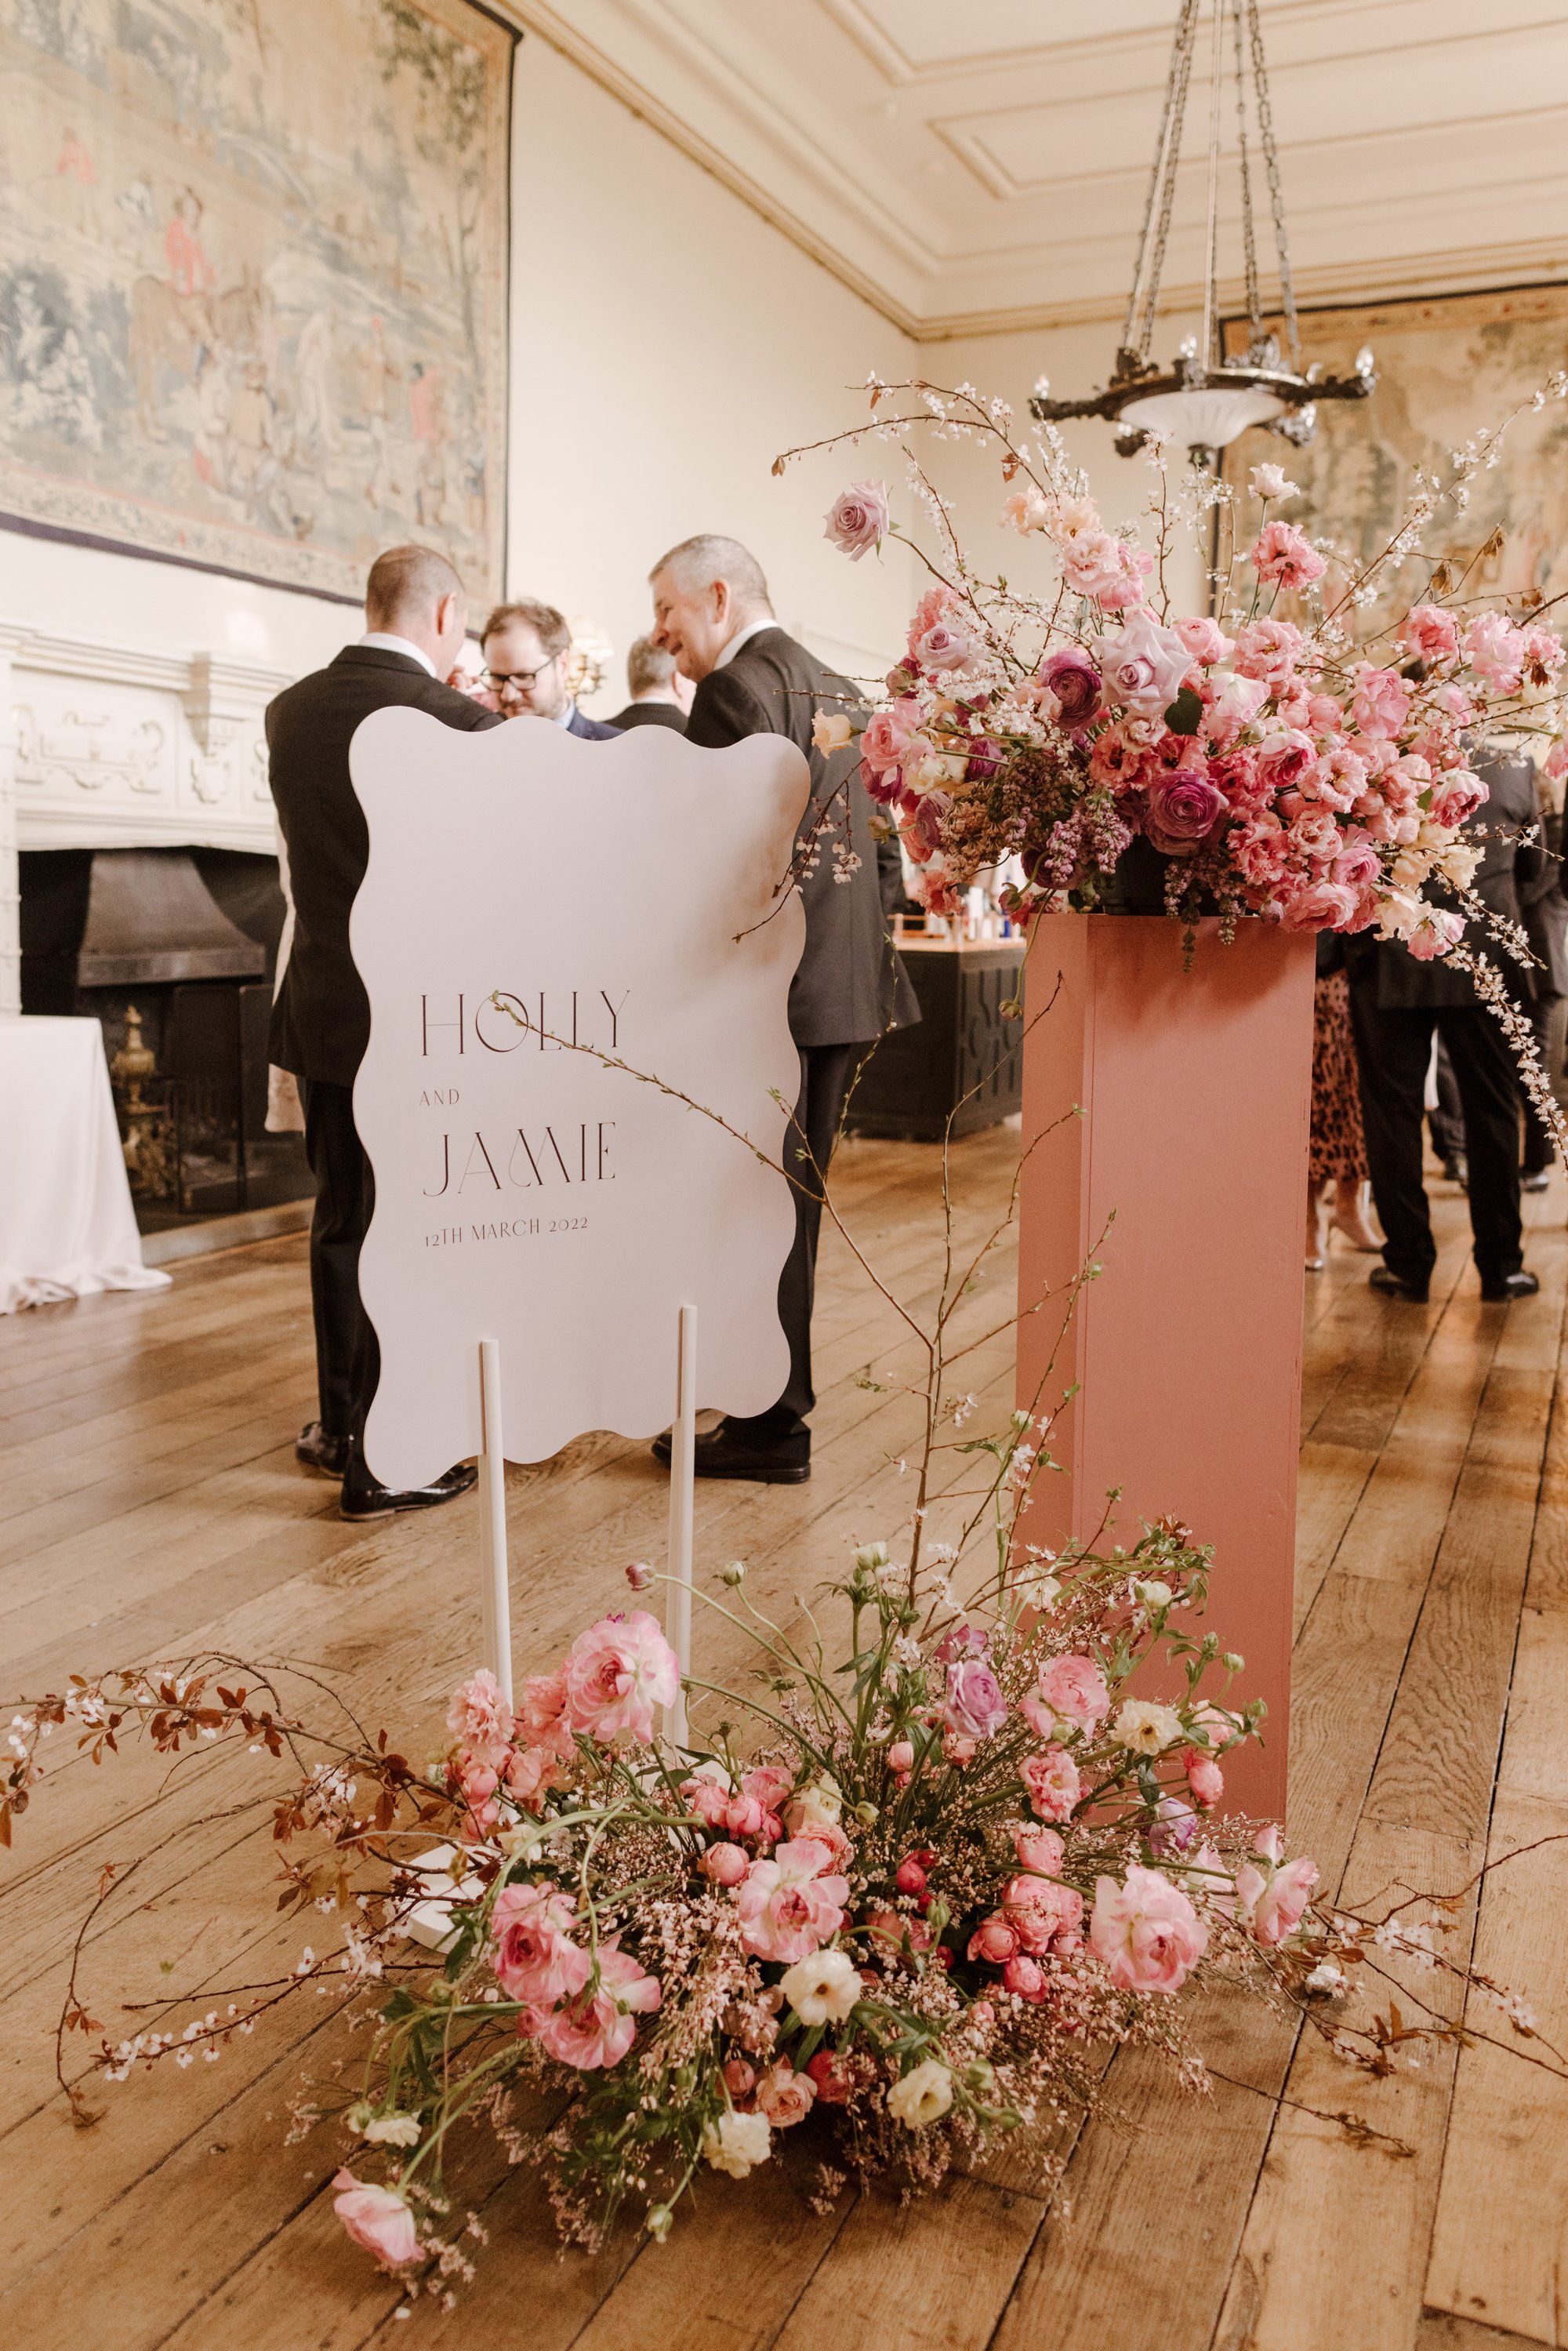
[
  {"x": 994, "y": 1942},
  {"x": 889, "y": 736},
  {"x": 1436, "y": 931},
  {"x": 617, "y": 1672},
  {"x": 598, "y": 2027},
  {"x": 1073, "y": 1687},
  {"x": 1282, "y": 553},
  {"x": 1236, "y": 705},
  {"x": 726, "y": 1863},
  {"x": 1204, "y": 1777},
  {"x": 1145, "y": 1931},
  {"x": 788, "y": 1905},
  {"x": 1268, "y": 650},
  {"x": 1381, "y": 703},
  {"x": 1040, "y": 1850},
  {"x": 530, "y": 1771},
  {"x": 1053, "y": 1784},
  {"x": 1025, "y": 1975},
  {"x": 1494, "y": 649},
  {"x": 541, "y": 1713},
  {"x": 1205, "y": 641},
  {"x": 1144, "y": 665},
  {"x": 1045, "y": 1915},
  {"x": 536, "y": 1959},
  {"x": 379, "y": 2219},
  {"x": 858, "y": 518},
  {"x": 1457, "y": 796},
  {"x": 1179, "y": 813},
  {"x": 922, "y": 829},
  {"x": 975, "y": 1707},
  {"x": 480, "y": 1719},
  {"x": 1272, "y": 1906},
  {"x": 1072, "y": 678},
  {"x": 1430, "y": 634},
  {"x": 784, "y": 2095}
]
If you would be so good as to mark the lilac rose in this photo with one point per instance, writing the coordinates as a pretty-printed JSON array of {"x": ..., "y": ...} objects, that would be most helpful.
[
  {"x": 1144, "y": 665},
  {"x": 858, "y": 518},
  {"x": 975, "y": 1707}
]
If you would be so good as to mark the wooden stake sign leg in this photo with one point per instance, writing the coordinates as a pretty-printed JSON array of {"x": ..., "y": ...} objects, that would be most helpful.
[
  {"x": 682, "y": 1483},
  {"x": 495, "y": 1593}
]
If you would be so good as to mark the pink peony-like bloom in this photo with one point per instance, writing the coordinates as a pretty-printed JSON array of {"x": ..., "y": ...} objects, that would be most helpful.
[
  {"x": 598, "y": 2027},
  {"x": 480, "y": 1717},
  {"x": 789, "y": 1905},
  {"x": 1282, "y": 553},
  {"x": 1053, "y": 1783},
  {"x": 1040, "y": 1850},
  {"x": 858, "y": 518},
  {"x": 1205, "y": 639},
  {"x": 784, "y": 2095},
  {"x": 1457, "y": 796},
  {"x": 1494, "y": 649},
  {"x": 617, "y": 1672},
  {"x": 536, "y": 1959},
  {"x": 1074, "y": 679},
  {"x": 1431, "y": 635},
  {"x": 1204, "y": 1777},
  {"x": 1145, "y": 1932},
  {"x": 378, "y": 2219},
  {"x": 1268, "y": 650},
  {"x": 1074, "y": 1688},
  {"x": 541, "y": 1713},
  {"x": 1045, "y": 1914},
  {"x": 1271, "y": 1905},
  {"x": 1144, "y": 665},
  {"x": 994, "y": 1942},
  {"x": 1177, "y": 815},
  {"x": 975, "y": 1707},
  {"x": 1121, "y": 584}
]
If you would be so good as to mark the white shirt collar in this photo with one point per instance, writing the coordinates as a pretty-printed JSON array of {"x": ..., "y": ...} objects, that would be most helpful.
[
  {"x": 752, "y": 629},
  {"x": 567, "y": 716},
  {"x": 385, "y": 643}
]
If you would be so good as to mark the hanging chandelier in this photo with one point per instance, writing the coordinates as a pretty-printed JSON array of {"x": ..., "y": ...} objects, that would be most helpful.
[{"x": 1202, "y": 397}]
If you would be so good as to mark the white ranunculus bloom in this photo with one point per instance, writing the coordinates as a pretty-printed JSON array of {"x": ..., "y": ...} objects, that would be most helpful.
[
  {"x": 1145, "y": 1727},
  {"x": 737, "y": 2144},
  {"x": 823, "y": 1989},
  {"x": 922, "y": 2096},
  {"x": 392, "y": 2130}
]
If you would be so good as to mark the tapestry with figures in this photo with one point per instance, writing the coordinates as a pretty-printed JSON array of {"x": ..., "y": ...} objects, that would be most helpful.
[{"x": 253, "y": 280}]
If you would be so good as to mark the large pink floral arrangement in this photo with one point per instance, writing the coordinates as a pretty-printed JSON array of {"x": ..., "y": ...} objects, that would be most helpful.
[{"x": 1284, "y": 769}]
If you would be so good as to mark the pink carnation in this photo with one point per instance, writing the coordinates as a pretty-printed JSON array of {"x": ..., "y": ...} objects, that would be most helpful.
[
  {"x": 1456, "y": 797},
  {"x": 536, "y": 1959},
  {"x": 617, "y": 1672},
  {"x": 598, "y": 2027},
  {"x": 1430, "y": 634},
  {"x": 1145, "y": 1932},
  {"x": 378, "y": 2219},
  {"x": 1268, "y": 650},
  {"x": 1282, "y": 554},
  {"x": 858, "y": 517},
  {"x": 480, "y": 1717},
  {"x": 1543, "y": 651},
  {"x": 1381, "y": 703},
  {"x": 541, "y": 1713},
  {"x": 1073, "y": 1687},
  {"x": 1494, "y": 649},
  {"x": 789, "y": 1906},
  {"x": 1053, "y": 1783}
]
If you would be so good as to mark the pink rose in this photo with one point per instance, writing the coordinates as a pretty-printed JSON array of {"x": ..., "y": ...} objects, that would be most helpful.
[
  {"x": 481, "y": 1720},
  {"x": 536, "y": 1959},
  {"x": 541, "y": 1712},
  {"x": 1456, "y": 797},
  {"x": 889, "y": 736},
  {"x": 1143, "y": 666},
  {"x": 1045, "y": 1914},
  {"x": 1282, "y": 554},
  {"x": 598, "y": 2027},
  {"x": 1074, "y": 1688},
  {"x": 1053, "y": 1783},
  {"x": 1074, "y": 679},
  {"x": 975, "y": 1707},
  {"x": 1040, "y": 1850},
  {"x": 993, "y": 1943},
  {"x": 1430, "y": 634},
  {"x": 725, "y": 1864},
  {"x": 1204, "y": 1777},
  {"x": 789, "y": 1906},
  {"x": 1286, "y": 759},
  {"x": 708, "y": 1799},
  {"x": 1145, "y": 1932},
  {"x": 1205, "y": 641},
  {"x": 1237, "y": 706},
  {"x": 769, "y": 1784},
  {"x": 858, "y": 517},
  {"x": 616, "y": 1673},
  {"x": 1271, "y": 1905},
  {"x": 784, "y": 2095},
  {"x": 943, "y": 646},
  {"x": 1268, "y": 650},
  {"x": 1177, "y": 815},
  {"x": 1494, "y": 649},
  {"x": 1024, "y": 1976},
  {"x": 378, "y": 2219}
]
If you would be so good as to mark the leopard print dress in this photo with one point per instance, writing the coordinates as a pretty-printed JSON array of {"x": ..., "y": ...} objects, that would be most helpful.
[{"x": 1338, "y": 1146}]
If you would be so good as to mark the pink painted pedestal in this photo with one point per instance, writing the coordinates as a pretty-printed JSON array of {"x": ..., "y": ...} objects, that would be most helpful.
[{"x": 1196, "y": 1090}]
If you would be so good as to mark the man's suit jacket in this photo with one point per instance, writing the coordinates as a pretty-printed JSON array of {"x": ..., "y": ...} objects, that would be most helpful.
[
  {"x": 1545, "y": 911},
  {"x": 851, "y": 985},
  {"x": 1508, "y": 872},
  {"x": 650, "y": 714},
  {"x": 591, "y": 730},
  {"x": 321, "y": 1020}
]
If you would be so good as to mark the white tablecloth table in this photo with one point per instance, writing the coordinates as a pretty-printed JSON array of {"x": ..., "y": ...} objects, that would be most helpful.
[{"x": 66, "y": 1226}]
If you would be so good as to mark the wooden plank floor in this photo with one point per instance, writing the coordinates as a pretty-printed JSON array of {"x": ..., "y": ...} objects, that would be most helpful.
[{"x": 150, "y": 1503}]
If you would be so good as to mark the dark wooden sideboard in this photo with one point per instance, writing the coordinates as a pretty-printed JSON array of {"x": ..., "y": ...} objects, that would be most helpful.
[{"x": 963, "y": 1046}]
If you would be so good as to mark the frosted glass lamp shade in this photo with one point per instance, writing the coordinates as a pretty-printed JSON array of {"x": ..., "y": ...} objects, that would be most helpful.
[{"x": 1210, "y": 416}]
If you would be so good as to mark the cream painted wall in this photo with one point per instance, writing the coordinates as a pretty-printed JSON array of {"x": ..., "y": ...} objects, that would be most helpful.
[{"x": 667, "y": 345}]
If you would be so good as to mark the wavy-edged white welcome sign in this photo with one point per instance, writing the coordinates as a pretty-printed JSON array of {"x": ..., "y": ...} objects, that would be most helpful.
[{"x": 535, "y": 908}]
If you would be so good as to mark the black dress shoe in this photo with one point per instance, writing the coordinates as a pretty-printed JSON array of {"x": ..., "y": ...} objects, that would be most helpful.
[
  {"x": 365, "y": 1497},
  {"x": 1457, "y": 1170},
  {"x": 718, "y": 1454},
  {"x": 329, "y": 1456},
  {"x": 1535, "y": 1179},
  {"x": 1389, "y": 1284},
  {"x": 1512, "y": 1286}
]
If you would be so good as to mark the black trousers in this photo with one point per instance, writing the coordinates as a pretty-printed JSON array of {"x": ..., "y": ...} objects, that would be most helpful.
[
  {"x": 348, "y": 1357},
  {"x": 827, "y": 1072},
  {"x": 1393, "y": 1047}
]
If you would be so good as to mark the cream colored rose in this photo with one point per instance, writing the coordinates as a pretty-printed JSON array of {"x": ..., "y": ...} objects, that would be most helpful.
[
  {"x": 817, "y": 1807},
  {"x": 922, "y": 2096},
  {"x": 737, "y": 2143},
  {"x": 831, "y": 731},
  {"x": 823, "y": 1989}
]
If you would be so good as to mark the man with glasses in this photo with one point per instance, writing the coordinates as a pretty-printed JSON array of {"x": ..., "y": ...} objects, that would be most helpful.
[{"x": 526, "y": 645}]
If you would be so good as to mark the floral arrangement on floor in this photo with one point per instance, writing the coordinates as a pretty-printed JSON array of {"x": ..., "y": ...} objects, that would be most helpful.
[{"x": 1284, "y": 769}]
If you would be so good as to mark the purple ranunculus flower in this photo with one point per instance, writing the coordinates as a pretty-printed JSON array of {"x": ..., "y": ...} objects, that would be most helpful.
[
  {"x": 1072, "y": 678},
  {"x": 975, "y": 1707},
  {"x": 1179, "y": 811},
  {"x": 984, "y": 755}
]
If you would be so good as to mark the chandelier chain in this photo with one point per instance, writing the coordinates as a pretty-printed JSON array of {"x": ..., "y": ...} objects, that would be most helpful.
[
  {"x": 1169, "y": 159},
  {"x": 1249, "y": 228},
  {"x": 1272, "y": 166}
]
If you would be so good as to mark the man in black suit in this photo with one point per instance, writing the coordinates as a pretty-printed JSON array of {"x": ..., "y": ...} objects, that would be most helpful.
[
  {"x": 1396, "y": 1002},
  {"x": 1545, "y": 911},
  {"x": 661, "y": 696},
  {"x": 526, "y": 645},
  {"x": 416, "y": 617},
  {"x": 712, "y": 612}
]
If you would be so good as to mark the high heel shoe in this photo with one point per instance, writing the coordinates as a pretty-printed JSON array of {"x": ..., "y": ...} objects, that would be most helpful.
[{"x": 1355, "y": 1227}]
